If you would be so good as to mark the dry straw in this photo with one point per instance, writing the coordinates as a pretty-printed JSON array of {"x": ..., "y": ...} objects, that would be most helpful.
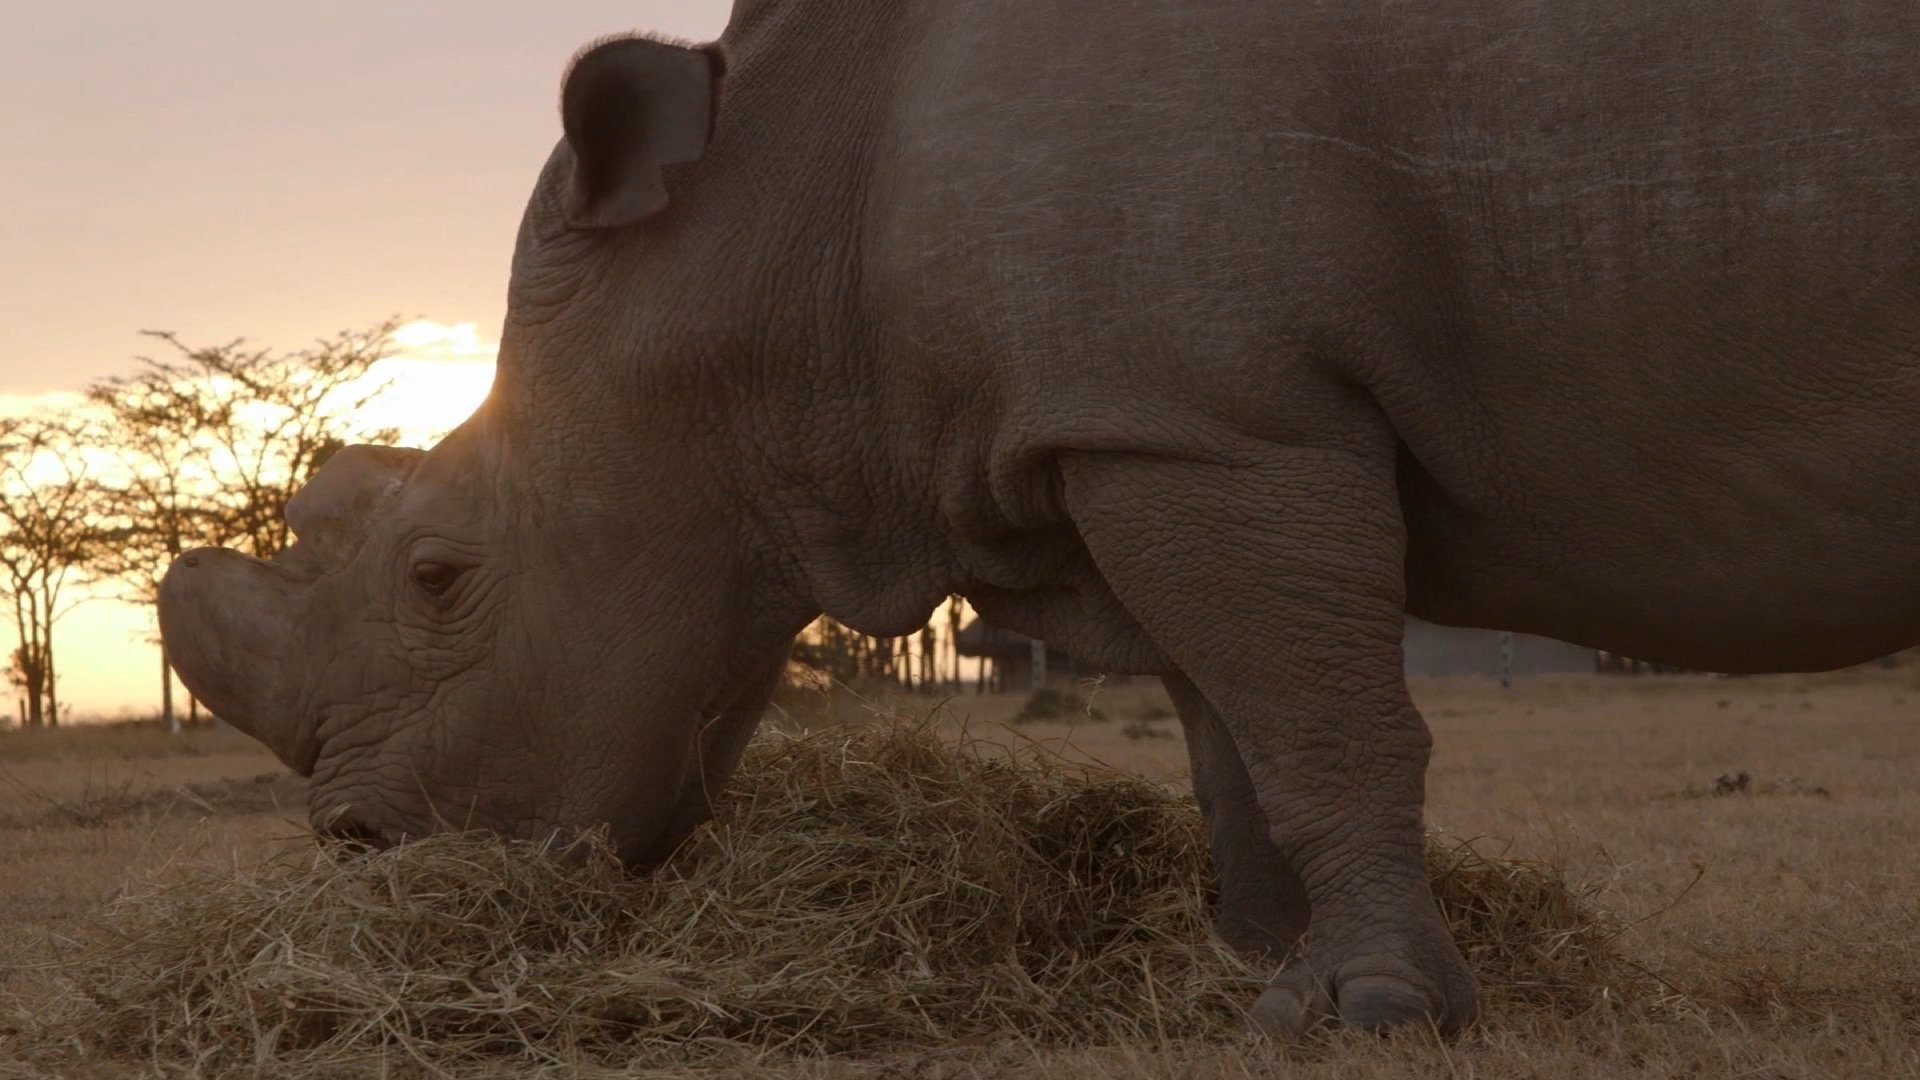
[{"x": 862, "y": 892}]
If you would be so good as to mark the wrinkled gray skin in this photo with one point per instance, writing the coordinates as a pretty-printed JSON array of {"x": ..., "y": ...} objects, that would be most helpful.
[{"x": 1202, "y": 338}]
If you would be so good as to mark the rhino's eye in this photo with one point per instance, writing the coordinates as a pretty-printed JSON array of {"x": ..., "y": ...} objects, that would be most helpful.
[{"x": 435, "y": 577}]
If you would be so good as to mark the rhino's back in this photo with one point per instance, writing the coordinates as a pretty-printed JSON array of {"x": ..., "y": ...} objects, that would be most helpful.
[
  {"x": 1637, "y": 284},
  {"x": 1513, "y": 163},
  {"x": 1675, "y": 356}
]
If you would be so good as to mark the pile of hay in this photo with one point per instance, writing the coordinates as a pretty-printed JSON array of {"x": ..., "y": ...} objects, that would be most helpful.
[{"x": 861, "y": 892}]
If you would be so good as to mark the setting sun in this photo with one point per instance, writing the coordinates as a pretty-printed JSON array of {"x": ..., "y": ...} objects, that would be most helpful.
[{"x": 437, "y": 376}]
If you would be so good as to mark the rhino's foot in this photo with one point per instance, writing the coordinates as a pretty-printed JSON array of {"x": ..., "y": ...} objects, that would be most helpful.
[{"x": 1372, "y": 991}]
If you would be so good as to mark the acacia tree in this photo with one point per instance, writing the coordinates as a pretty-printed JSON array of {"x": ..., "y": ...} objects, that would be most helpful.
[
  {"x": 258, "y": 423},
  {"x": 212, "y": 442},
  {"x": 157, "y": 503},
  {"x": 49, "y": 531}
]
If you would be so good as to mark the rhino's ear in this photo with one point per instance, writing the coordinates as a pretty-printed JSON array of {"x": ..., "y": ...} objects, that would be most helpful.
[
  {"x": 330, "y": 514},
  {"x": 631, "y": 106}
]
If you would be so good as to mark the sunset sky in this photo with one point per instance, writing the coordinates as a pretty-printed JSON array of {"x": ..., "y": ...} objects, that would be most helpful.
[{"x": 274, "y": 171}]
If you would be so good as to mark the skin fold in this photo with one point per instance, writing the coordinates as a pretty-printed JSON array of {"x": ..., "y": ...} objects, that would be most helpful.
[{"x": 1202, "y": 339}]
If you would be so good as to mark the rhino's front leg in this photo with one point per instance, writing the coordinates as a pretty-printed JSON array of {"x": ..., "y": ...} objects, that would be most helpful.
[
  {"x": 1263, "y": 905},
  {"x": 1276, "y": 583}
]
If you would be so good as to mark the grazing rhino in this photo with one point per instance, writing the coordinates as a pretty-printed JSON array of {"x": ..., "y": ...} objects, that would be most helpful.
[{"x": 1203, "y": 338}]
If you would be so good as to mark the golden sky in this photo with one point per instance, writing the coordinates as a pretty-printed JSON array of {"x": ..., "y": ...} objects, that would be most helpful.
[{"x": 274, "y": 171}]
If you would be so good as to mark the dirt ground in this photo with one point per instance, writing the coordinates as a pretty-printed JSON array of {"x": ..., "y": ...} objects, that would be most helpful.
[{"x": 1760, "y": 829}]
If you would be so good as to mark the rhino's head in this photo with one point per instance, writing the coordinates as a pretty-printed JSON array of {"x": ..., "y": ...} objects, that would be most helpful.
[{"x": 569, "y": 612}]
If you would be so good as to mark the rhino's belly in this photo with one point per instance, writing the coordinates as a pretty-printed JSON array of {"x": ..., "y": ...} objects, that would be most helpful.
[
  {"x": 1757, "y": 620},
  {"x": 1794, "y": 550}
]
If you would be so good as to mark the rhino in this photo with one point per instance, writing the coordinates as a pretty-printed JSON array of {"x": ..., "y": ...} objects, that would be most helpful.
[{"x": 1204, "y": 339}]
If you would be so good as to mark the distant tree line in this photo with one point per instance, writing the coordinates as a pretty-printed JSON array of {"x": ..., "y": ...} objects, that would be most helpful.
[{"x": 926, "y": 662}]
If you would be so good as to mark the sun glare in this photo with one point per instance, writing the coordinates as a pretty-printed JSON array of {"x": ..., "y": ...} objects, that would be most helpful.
[{"x": 436, "y": 377}]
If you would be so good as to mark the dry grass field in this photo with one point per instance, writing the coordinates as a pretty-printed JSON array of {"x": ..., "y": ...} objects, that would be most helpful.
[{"x": 1756, "y": 834}]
